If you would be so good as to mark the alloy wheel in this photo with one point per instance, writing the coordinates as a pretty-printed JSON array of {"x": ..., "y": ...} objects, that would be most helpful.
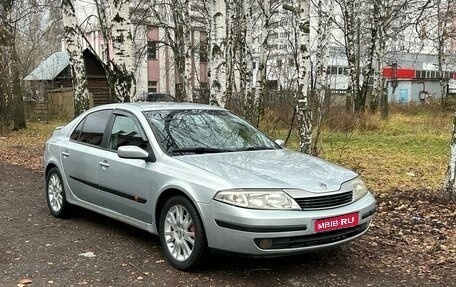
[
  {"x": 55, "y": 192},
  {"x": 179, "y": 232}
]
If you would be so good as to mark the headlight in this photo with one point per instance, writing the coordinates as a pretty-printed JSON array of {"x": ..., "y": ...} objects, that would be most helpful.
[
  {"x": 359, "y": 188},
  {"x": 257, "y": 199}
]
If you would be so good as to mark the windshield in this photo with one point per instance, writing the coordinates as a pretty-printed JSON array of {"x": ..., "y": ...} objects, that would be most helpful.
[{"x": 205, "y": 131}]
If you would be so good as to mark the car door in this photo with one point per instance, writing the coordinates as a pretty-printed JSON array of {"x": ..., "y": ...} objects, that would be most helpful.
[
  {"x": 126, "y": 184},
  {"x": 79, "y": 156}
]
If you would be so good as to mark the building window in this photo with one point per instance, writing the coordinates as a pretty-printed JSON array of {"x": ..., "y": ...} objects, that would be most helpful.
[
  {"x": 151, "y": 50},
  {"x": 340, "y": 70},
  {"x": 203, "y": 51},
  {"x": 333, "y": 70},
  {"x": 279, "y": 63},
  {"x": 152, "y": 87},
  {"x": 104, "y": 53},
  {"x": 291, "y": 62}
]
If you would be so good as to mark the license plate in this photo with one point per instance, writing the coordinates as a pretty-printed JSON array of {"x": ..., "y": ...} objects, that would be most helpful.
[{"x": 337, "y": 222}]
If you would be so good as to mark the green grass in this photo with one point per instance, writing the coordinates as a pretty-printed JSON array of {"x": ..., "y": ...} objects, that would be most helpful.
[{"x": 407, "y": 152}]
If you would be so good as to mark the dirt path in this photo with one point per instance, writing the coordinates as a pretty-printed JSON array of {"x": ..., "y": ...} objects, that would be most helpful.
[{"x": 47, "y": 250}]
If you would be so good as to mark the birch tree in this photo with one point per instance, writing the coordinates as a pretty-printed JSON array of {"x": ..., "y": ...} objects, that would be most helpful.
[
  {"x": 348, "y": 27},
  {"x": 393, "y": 17},
  {"x": 218, "y": 76},
  {"x": 182, "y": 47},
  {"x": 303, "y": 111},
  {"x": 74, "y": 48},
  {"x": 449, "y": 183},
  {"x": 261, "y": 76},
  {"x": 11, "y": 103},
  {"x": 250, "y": 111},
  {"x": 324, "y": 18},
  {"x": 438, "y": 28},
  {"x": 122, "y": 44},
  {"x": 444, "y": 32}
]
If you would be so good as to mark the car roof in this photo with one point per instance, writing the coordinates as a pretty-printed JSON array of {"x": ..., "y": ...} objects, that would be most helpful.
[{"x": 155, "y": 106}]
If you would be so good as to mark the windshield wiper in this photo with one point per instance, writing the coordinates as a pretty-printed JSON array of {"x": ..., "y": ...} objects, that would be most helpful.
[
  {"x": 255, "y": 148},
  {"x": 199, "y": 150}
]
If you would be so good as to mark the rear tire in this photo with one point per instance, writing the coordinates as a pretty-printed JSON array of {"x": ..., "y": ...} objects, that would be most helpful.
[
  {"x": 55, "y": 194},
  {"x": 182, "y": 234}
]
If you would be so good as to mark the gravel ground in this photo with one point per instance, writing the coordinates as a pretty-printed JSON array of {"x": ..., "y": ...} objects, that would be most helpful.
[{"x": 47, "y": 251}]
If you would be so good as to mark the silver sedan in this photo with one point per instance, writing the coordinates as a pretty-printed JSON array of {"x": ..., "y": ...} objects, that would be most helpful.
[{"x": 202, "y": 179}]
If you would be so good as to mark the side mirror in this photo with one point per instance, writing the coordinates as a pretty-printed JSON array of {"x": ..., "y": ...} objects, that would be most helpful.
[
  {"x": 281, "y": 143},
  {"x": 132, "y": 152}
]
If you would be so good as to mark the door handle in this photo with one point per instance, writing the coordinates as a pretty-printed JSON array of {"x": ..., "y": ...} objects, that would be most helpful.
[
  {"x": 65, "y": 154},
  {"x": 104, "y": 164}
]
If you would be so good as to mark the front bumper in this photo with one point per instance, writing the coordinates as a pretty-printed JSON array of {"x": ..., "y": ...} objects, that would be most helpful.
[{"x": 233, "y": 229}]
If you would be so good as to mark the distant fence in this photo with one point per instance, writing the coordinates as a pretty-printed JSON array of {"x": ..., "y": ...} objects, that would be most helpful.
[{"x": 59, "y": 104}]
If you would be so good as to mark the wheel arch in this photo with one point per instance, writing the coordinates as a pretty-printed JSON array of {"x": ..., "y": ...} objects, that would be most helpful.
[
  {"x": 164, "y": 197},
  {"x": 49, "y": 166}
]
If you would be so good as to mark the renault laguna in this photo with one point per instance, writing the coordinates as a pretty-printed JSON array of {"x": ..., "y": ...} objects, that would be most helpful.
[{"x": 202, "y": 179}]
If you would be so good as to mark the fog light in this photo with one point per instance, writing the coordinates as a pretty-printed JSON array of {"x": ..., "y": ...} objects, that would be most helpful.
[{"x": 265, "y": 243}]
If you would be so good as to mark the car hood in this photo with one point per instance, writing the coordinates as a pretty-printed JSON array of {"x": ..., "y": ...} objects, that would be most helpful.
[{"x": 273, "y": 169}]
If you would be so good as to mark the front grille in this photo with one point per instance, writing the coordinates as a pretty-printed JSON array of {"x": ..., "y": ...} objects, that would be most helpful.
[
  {"x": 325, "y": 201},
  {"x": 314, "y": 239}
]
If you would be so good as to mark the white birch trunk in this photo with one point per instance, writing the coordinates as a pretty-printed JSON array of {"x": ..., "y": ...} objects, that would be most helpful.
[
  {"x": 449, "y": 184},
  {"x": 442, "y": 35},
  {"x": 208, "y": 27},
  {"x": 122, "y": 44},
  {"x": 303, "y": 112},
  {"x": 233, "y": 48},
  {"x": 377, "y": 86},
  {"x": 369, "y": 74},
  {"x": 230, "y": 49},
  {"x": 188, "y": 48},
  {"x": 247, "y": 61},
  {"x": 218, "y": 77},
  {"x": 74, "y": 48},
  {"x": 348, "y": 15},
  {"x": 322, "y": 56},
  {"x": 183, "y": 48},
  {"x": 261, "y": 80}
]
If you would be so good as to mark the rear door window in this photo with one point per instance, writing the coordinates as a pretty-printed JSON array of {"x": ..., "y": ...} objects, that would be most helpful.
[{"x": 94, "y": 127}]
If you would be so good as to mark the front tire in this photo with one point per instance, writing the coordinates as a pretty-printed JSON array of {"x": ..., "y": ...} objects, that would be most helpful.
[
  {"x": 182, "y": 234},
  {"x": 55, "y": 194}
]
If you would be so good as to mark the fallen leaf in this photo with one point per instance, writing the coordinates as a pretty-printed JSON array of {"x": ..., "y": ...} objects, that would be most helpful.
[
  {"x": 89, "y": 254},
  {"x": 25, "y": 281}
]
